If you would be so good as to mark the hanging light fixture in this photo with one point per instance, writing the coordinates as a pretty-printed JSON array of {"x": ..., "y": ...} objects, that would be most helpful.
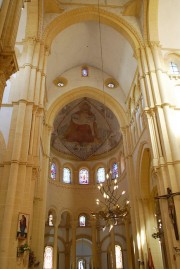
[{"x": 114, "y": 206}]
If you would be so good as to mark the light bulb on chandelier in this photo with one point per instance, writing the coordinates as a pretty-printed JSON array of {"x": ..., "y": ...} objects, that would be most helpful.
[{"x": 114, "y": 206}]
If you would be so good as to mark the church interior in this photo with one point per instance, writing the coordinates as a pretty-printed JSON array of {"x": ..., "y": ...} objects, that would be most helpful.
[{"x": 89, "y": 134}]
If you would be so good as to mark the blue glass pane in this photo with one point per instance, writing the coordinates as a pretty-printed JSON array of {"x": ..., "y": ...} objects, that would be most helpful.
[
  {"x": 83, "y": 176},
  {"x": 101, "y": 175},
  {"x": 66, "y": 175},
  {"x": 53, "y": 171},
  {"x": 174, "y": 68},
  {"x": 115, "y": 171}
]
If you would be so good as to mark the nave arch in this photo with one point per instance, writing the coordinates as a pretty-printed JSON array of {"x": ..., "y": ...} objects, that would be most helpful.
[{"x": 87, "y": 14}]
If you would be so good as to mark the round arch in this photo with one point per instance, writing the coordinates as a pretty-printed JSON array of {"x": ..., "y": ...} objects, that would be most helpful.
[
  {"x": 90, "y": 92},
  {"x": 144, "y": 172},
  {"x": 66, "y": 211},
  {"x": 94, "y": 14}
]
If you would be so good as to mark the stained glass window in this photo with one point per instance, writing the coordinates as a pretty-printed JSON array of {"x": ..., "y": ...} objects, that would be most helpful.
[
  {"x": 84, "y": 72},
  {"x": 48, "y": 258},
  {"x": 114, "y": 170},
  {"x": 82, "y": 220},
  {"x": 50, "y": 219},
  {"x": 100, "y": 175},
  {"x": 81, "y": 264},
  {"x": 66, "y": 175},
  {"x": 174, "y": 68},
  {"x": 119, "y": 261},
  {"x": 53, "y": 171},
  {"x": 83, "y": 176}
]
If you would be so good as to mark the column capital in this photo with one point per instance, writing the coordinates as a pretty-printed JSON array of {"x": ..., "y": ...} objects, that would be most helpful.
[
  {"x": 8, "y": 63},
  {"x": 154, "y": 44}
]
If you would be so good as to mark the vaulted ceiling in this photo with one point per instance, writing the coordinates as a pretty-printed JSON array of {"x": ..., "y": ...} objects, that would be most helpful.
[{"x": 98, "y": 46}]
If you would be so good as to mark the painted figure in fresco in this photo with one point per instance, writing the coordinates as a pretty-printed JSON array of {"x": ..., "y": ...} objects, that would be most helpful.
[
  {"x": 22, "y": 226},
  {"x": 83, "y": 127}
]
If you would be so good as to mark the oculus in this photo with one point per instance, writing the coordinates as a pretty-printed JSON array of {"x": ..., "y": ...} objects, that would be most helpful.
[
  {"x": 111, "y": 83},
  {"x": 60, "y": 82}
]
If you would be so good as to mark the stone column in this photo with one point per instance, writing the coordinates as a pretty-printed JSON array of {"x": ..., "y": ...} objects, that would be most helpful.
[
  {"x": 94, "y": 244},
  {"x": 67, "y": 249},
  {"x": 73, "y": 247},
  {"x": 98, "y": 248},
  {"x": 55, "y": 246},
  {"x": 113, "y": 249},
  {"x": 128, "y": 244},
  {"x": 20, "y": 111}
]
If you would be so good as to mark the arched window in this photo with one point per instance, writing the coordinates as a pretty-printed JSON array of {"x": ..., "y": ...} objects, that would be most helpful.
[
  {"x": 81, "y": 264},
  {"x": 50, "y": 219},
  {"x": 82, "y": 220},
  {"x": 100, "y": 175},
  {"x": 48, "y": 258},
  {"x": 83, "y": 176},
  {"x": 114, "y": 170},
  {"x": 53, "y": 171},
  {"x": 119, "y": 261},
  {"x": 174, "y": 68},
  {"x": 84, "y": 71},
  {"x": 66, "y": 175}
]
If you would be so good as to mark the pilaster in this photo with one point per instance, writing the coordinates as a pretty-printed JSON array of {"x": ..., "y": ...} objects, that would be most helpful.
[
  {"x": 128, "y": 243},
  {"x": 55, "y": 246},
  {"x": 73, "y": 251},
  {"x": 113, "y": 249},
  {"x": 94, "y": 244}
]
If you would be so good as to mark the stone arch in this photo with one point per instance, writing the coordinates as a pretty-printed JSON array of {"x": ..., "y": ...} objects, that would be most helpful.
[
  {"x": 66, "y": 216},
  {"x": 144, "y": 178},
  {"x": 66, "y": 211},
  {"x": 95, "y": 14},
  {"x": 52, "y": 210},
  {"x": 90, "y": 92}
]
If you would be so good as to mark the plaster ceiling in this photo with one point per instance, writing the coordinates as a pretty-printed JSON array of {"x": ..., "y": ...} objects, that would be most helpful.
[
  {"x": 79, "y": 44},
  {"x": 85, "y": 128}
]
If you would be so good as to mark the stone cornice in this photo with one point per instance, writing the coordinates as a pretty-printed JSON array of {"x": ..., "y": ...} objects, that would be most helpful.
[{"x": 88, "y": 187}]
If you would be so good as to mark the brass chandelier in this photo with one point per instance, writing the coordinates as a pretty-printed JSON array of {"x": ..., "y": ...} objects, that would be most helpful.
[{"x": 114, "y": 206}]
